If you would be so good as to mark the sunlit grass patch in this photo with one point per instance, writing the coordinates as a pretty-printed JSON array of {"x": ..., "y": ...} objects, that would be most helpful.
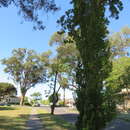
[
  {"x": 13, "y": 118},
  {"x": 52, "y": 122}
]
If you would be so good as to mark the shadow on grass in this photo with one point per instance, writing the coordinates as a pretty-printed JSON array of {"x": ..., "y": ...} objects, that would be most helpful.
[
  {"x": 13, "y": 123},
  {"x": 6, "y": 108},
  {"x": 72, "y": 118},
  {"x": 50, "y": 122},
  {"x": 55, "y": 122}
]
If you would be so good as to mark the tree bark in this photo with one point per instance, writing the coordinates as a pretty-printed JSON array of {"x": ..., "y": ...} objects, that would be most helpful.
[
  {"x": 52, "y": 108},
  {"x": 64, "y": 96},
  {"x": 22, "y": 99},
  {"x": 54, "y": 95}
]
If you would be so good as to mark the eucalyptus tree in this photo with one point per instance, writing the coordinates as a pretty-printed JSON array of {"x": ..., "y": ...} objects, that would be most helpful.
[
  {"x": 120, "y": 76},
  {"x": 119, "y": 80},
  {"x": 68, "y": 53},
  {"x": 26, "y": 69},
  {"x": 66, "y": 58},
  {"x": 69, "y": 56},
  {"x": 36, "y": 96},
  {"x": 56, "y": 69},
  {"x": 63, "y": 81},
  {"x": 87, "y": 24},
  {"x": 120, "y": 42}
]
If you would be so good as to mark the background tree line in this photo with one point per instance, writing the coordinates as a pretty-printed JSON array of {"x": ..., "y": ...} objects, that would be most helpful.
[{"x": 27, "y": 68}]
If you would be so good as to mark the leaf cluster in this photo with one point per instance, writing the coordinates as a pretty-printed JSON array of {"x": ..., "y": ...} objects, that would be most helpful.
[
  {"x": 26, "y": 67},
  {"x": 120, "y": 42},
  {"x": 7, "y": 89},
  {"x": 120, "y": 76},
  {"x": 31, "y": 10},
  {"x": 36, "y": 96}
]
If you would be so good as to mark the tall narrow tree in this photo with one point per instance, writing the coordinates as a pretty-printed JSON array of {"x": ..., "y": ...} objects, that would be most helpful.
[{"x": 87, "y": 25}]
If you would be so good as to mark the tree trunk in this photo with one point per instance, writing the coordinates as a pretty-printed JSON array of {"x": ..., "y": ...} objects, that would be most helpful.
[
  {"x": 52, "y": 108},
  {"x": 64, "y": 96},
  {"x": 54, "y": 95},
  {"x": 22, "y": 99}
]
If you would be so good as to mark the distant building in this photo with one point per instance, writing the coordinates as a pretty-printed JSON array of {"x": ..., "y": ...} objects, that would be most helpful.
[
  {"x": 13, "y": 100},
  {"x": 10, "y": 100}
]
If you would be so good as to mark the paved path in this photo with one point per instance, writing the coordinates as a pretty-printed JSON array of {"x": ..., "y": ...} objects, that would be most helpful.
[
  {"x": 72, "y": 117},
  {"x": 64, "y": 113},
  {"x": 119, "y": 125},
  {"x": 34, "y": 122}
]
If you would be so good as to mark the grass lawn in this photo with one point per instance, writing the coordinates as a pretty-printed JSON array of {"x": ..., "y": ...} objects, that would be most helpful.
[
  {"x": 52, "y": 122},
  {"x": 13, "y": 117}
]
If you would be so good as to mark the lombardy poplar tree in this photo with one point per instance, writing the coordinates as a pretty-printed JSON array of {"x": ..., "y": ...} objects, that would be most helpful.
[{"x": 87, "y": 24}]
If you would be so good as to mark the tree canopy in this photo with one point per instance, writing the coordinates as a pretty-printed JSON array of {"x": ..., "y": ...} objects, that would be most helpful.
[
  {"x": 26, "y": 68},
  {"x": 120, "y": 42},
  {"x": 36, "y": 97},
  {"x": 7, "y": 89},
  {"x": 119, "y": 77},
  {"x": 62, "y": 64}
]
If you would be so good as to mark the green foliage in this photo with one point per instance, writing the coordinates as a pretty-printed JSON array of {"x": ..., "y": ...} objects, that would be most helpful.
[
  {"x": 61, "y": 67},
  {"x": 63, "y": 82},
  {"x": 120, "y": 42},
  {"x": 57, "y": 38},
  {"x": 120, "y": 76},
  {"x": 110, "y": 100},
  {"x": 54, "y": 98},
  {"x": 87, "y": 25},
  {"x": 119, "y": 80},
  {"x": 36, "y": 96},
  {"x": 56, "y": 69},
  {"x": 68, "y": 55},
  {"x": 7, "y": 89},
  {"x": 26, "y": 101},
  {"x": 26, "y": 68},
  {"x": 45, "y": 102},
  {"x": 61, "y": 103}
]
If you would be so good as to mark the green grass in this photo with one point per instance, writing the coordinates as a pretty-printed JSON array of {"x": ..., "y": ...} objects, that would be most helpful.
[
  {"x": 16, "y": 117},
  {"x": 13, "y": 118},
  {"x": 52, "y": 122}
]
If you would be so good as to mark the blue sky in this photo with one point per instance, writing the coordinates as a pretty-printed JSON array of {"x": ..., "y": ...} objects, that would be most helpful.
[{"x": 13, "y": 34}]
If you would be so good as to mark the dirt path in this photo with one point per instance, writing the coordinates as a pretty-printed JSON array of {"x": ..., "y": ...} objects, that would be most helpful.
[{"x": 34, "y": 122}]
